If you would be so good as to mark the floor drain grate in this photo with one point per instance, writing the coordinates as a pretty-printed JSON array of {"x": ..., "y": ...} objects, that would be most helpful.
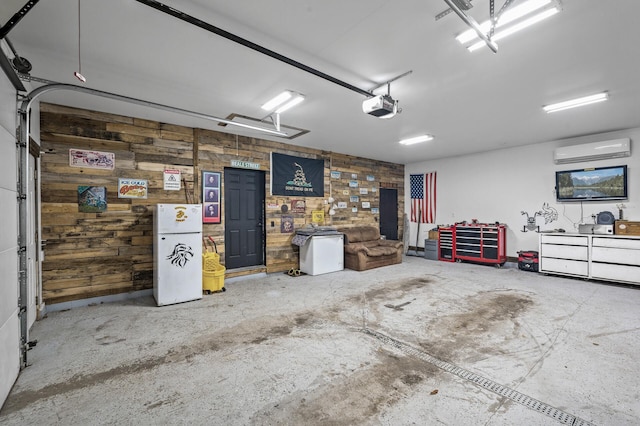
[{"x": 512, "y": 394}]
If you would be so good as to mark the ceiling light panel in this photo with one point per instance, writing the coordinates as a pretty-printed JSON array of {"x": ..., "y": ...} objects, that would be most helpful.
[
  {"x": 416, "y": 139},
  {"x": 507, "y": 17},
  {"x": 290, "y": 104},
  {"x": 517, "y": 27},
  {"x": 542, "y": 8},
  {"x": 577, "y": 102},
  {"x": 283, "y": 101},
  {"x": 277, "y": 100}
]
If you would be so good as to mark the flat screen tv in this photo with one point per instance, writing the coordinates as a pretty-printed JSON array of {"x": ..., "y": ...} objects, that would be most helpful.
[{"x": 594, "y": 184}]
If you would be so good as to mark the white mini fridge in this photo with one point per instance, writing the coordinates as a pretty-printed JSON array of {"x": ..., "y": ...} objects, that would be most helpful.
[
  {"x": 322, "y": 254},
  {"x": 177, "y": 253}
]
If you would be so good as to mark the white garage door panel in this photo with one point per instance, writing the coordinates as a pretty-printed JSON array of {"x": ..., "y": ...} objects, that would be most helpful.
[
  {"x": 8, "y": 293},
  {"x": 8, "y": 105},
  {"x": 9, "y": 322},
  {"x": 9, "y": 354},
  {"x": 9, "y": 224},
  {"x": 8, "y": 162}
]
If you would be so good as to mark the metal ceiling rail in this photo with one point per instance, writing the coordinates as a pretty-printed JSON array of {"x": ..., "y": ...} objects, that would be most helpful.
[
  {"x": 26, "y": 105},
  {"x": 230, "y": 36},
  {"x": 13, "y": 21},
  {"x": 5, "y": 65}
]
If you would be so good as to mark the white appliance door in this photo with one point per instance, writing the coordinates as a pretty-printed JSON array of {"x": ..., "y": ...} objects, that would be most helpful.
[
  {"x": 179, "y": 218},
  {"x": 178, "y": 268}
]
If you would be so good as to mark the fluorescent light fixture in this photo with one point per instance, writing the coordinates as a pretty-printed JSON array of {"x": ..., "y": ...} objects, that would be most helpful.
[
  {"x": 573, "y": 103},
  {"x": 416, "y": 139},
  {"x": 293, "y": 102},
  {"x": 519, "y": 26},
  {"x": 509, "y": 16},
  {"x": 283, "y": 101},
  {"x": 277, "y": 100}
]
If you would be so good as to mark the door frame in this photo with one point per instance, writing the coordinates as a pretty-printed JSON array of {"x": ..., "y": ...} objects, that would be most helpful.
[
  {"x": 262, "y": 203},
  {"x": 33, "y": 247},
  {"x": 396, "y": 210}
]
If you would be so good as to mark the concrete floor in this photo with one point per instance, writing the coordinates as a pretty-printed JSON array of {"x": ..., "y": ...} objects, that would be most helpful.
[{"x": 450, "y": 344}]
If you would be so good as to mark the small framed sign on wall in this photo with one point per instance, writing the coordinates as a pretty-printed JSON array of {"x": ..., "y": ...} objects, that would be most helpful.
[
  {"x": 92, "y": 199},
  {"x": 211, "y": 197}
]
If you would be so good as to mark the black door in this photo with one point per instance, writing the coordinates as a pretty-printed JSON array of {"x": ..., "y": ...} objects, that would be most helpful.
[
  {"x": 243, "y": 218},
  {"x": 389, "y": 213}
]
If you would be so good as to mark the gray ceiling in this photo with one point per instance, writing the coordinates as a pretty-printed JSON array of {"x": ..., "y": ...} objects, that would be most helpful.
[{"x": 471, "y": 102}]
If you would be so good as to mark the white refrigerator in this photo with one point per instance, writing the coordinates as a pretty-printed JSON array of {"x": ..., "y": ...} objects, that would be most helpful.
[{"x": 177, "y": 253}]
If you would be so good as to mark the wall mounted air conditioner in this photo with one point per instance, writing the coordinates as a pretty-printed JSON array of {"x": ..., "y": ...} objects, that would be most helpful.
[{"x": 593, "y": 151}]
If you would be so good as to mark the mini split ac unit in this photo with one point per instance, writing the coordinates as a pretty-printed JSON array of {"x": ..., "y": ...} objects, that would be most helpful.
[{"x": 593, "y": 151}]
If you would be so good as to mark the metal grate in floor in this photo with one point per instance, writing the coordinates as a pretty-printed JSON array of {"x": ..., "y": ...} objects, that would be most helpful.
[{"x": 504, "y": 391}]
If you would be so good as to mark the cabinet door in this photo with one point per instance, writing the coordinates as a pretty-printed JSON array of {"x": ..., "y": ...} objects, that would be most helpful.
[
  {"x": 615, "y": 255},
  {"x": 565, "y": 252},
  {"x": 563, "y": 266},
  {"x": 609, "y": 271},
  {"x": 572, "y": 240},
  {"x": 629, "y": 243}
]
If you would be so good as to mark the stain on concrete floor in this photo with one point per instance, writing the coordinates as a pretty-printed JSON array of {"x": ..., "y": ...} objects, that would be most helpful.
[
  {"x": 482, "y": 320},
  {"x": 352, "y": 399},
  {"x": 345, "y": 398}
]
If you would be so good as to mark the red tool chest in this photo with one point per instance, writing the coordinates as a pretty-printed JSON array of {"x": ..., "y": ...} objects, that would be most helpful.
[{"x": 476, "y": 242}]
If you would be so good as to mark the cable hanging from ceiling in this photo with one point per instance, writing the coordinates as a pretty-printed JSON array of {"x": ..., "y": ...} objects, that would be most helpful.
[{"x": 78, "y": 74}]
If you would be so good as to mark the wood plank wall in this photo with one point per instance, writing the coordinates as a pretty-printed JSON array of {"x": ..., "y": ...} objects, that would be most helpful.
[{"x": 96, "y": 254}]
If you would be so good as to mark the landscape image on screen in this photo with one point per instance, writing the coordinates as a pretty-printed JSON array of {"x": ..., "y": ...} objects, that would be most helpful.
[{"x": 600, "y": 183}]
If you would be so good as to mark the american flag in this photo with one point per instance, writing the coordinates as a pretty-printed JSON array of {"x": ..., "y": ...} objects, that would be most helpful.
[{"x": 423, "y": 197}]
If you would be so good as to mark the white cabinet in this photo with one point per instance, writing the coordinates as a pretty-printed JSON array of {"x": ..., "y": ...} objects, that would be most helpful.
[
  {"x": 602, "y": 257},
  {"x": 564, "y": 254},
  {"x": 616, "y": 259}
]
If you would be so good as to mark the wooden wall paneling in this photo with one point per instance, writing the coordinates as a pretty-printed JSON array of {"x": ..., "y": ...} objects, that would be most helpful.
[
  {"x": 381, "y": 171},
  {"x": 96, "y": 254}
]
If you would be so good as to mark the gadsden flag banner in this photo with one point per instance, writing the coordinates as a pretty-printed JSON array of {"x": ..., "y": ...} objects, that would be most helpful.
[{"x": 296, "y": 176}]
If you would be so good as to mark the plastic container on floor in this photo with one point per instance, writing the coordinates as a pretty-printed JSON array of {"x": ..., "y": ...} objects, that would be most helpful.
[{"x": 213, "y": 281}]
